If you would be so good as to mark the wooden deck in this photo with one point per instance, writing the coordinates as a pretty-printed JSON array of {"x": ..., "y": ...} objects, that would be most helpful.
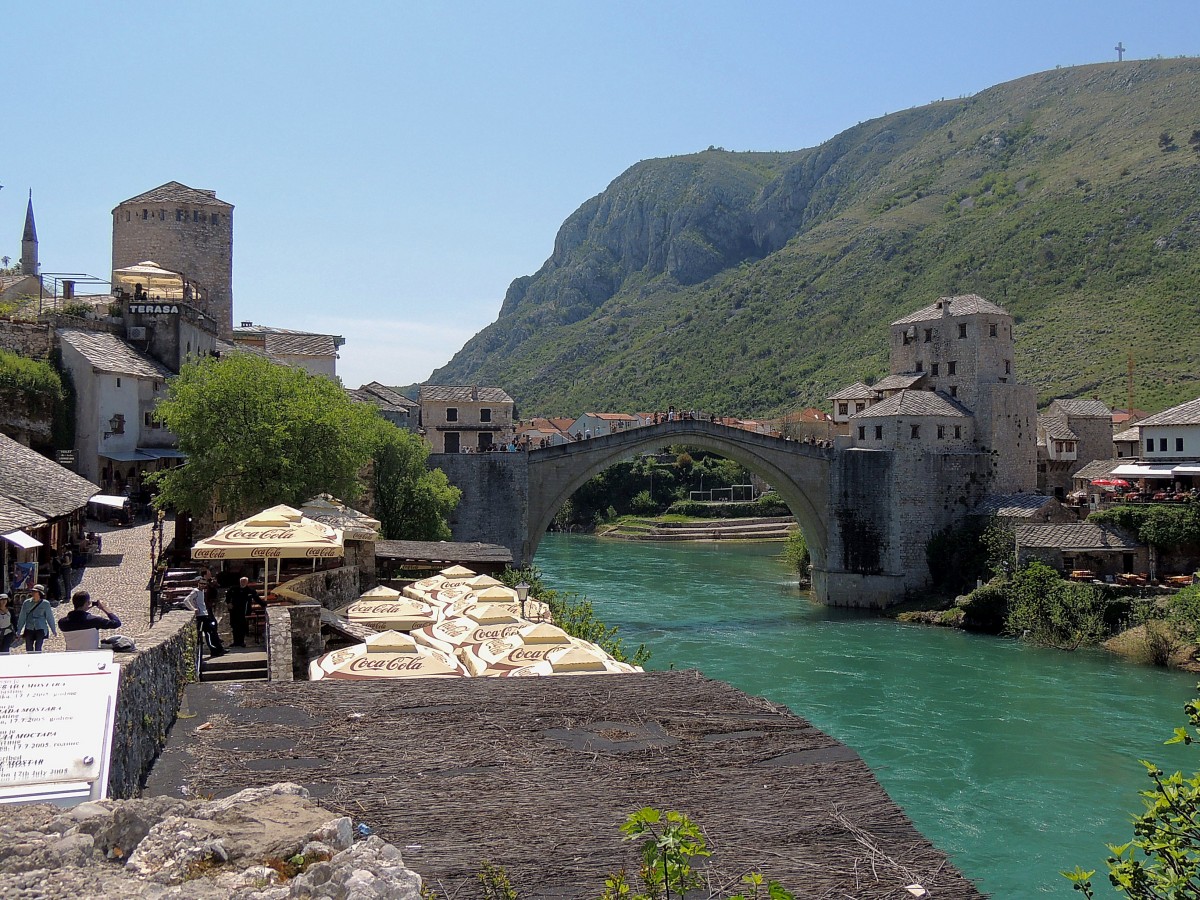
[{"x": 536, "y": 775}]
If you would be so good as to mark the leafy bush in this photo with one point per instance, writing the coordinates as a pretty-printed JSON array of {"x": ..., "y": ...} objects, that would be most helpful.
[
  {"x": 643, "y": 504},
  {"x": 1162, "y": 526},
  {"x": 985, "y": 609},
  {"x": 1163, "y": 858},
  {"x": 1183, "y": 612},
  {"x": 31, "y": 376},
  {"x": 1046, "y": 610},
  {"x": 766, "y": 505},
  {"x": 795, "y": 553}
]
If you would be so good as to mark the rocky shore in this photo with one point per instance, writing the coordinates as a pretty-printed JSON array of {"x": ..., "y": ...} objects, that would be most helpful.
[{"x": 267, "y": 843}]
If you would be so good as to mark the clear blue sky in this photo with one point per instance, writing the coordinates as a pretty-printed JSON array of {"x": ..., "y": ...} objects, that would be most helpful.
[{"x": 394, "y": 165}]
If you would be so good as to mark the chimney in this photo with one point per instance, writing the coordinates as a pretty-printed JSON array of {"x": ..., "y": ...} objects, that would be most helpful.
[
  {"x": 68, "y": 290},
  {"x": 475, "y": 392},
  {"x": 247, "y": 324}
]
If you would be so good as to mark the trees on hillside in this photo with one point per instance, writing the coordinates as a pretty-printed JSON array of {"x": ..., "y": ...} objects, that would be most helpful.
[{"x": 257, "y": 434}]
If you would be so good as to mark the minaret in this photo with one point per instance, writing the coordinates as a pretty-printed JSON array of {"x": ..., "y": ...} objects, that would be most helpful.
[{"x": 29, "y": 253}]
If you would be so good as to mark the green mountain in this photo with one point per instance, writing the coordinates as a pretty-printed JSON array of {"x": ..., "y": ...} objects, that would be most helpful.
[{"x": 757, "y": 283}]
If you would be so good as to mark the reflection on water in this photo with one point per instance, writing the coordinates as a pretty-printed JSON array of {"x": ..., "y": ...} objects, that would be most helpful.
[{"x": 1018, "y": 762}]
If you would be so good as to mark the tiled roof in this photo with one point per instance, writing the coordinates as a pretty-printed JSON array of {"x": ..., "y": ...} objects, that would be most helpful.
[
  {"x": 898, "y": 382},
  {"x": 1183, "y": 414},
  {"x": 1056, "y": 428},
  {"x": 40, "y": 484},
  {"x": 389, "y": 394},
  {"x": 288, "y": 341},
  {"x": 108, "y": 353},
  {"x": 1129, "y": 434},
  {"x": 14, "y": 515},
  {"x": 448, "y": 393},
  {"x": 914, "y": 403},
  {"x": 962, "y": 305},
  {"x": 613, "y": 417},
  {"x": 1084, "y": 408},
  {"x": 856, "y": 391},
  {"x": 1098, "y": 468},
  {"x": 174, "y": 192},
  {"x": 1013, "y": 506},
  {"x": 1084, "y": 536}
]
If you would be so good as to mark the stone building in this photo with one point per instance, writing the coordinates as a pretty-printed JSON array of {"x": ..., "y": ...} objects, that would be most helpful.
[
  {"x": 316, "y": 354},
  {"x": 851, "y": 400},
  {"x": 1071, "y": 434},
  {"x": 392, "y": 404},
  {"x": 1101, "y": 550},
  {"x": 465, "y": 418},
  {"x": 184, "y": 230}
]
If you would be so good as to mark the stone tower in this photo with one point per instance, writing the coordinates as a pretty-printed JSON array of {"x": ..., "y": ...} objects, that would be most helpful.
[
  {"x": 29, "y": 248},
  {"x": 185, "y": 230}
]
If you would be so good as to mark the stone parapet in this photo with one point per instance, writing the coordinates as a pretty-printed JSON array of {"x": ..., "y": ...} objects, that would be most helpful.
[
  {"x": 151, "y": 688},
  {"x": 279, "y": 644}
]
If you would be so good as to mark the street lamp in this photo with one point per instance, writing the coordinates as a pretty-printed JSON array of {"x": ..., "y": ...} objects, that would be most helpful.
[{"x": 522, "y": 590}]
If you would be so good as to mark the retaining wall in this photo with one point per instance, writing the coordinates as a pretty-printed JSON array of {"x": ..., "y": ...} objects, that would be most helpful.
[{"x": 151, "y": 688}]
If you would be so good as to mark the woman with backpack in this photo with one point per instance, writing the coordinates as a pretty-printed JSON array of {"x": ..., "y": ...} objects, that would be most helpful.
[{"x": 36, "y": 621}]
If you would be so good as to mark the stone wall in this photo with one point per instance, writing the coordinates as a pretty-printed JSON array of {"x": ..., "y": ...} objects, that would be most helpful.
[
  {"x": 279, "y": 644},
  {"x": 30, "y": 339},
  {"x": 331, "y": 588},
  {"x": 151, "y": 687},
  {"x": 495, "y": 502}
]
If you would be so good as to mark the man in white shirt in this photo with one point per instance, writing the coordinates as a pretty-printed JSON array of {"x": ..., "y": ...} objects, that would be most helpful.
[{"x": 205, "y": 623}]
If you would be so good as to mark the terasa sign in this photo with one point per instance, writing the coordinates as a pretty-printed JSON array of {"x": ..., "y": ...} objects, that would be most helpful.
[{"x": 154, "y": 309}]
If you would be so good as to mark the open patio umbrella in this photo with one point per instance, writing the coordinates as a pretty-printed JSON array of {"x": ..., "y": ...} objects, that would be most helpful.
[
  {"x": 395, "y": 613},
  {"x": 576, "y": 660},
  {"x": 1110, "y": 482},
  {"x": 529, "y": 645},
  {"x": 388, "y": 654},
  {"x": 479, "y": 624},
  {"x": 278, "y": 533}
]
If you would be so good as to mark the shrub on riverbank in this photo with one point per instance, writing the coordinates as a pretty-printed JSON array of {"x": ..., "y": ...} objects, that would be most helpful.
[
  {"x": 795, "y": 554},
  {"x": 575, "y": 615},
  {"x": 767, "y": 505}
]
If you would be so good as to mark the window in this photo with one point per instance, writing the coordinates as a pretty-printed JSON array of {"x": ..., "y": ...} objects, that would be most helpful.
[
  {"x": 162, "y": 215},
  {"x": 145, "y": 214},
  {"x": 1178, "y": 445},
  {"x": 216, "y": 218},
  {"x": 962, "y": 329},
  {"x": 928, "y": 335},
  {"x": 953, "y": 390},
  {"x": 958, "y": 432},
  {"x": 485, "y": 415},
  {"x": 907, "y": 338},
  {"x": 485, "y": 440},
  {"x": 147, "y": 420},
  {"x": 843, "y": 409},
  {"x": 951, "y": 367},
  {"x": 451, "y": 443},
  {"x": 1008, "y": 367},
  {"x": 118, "y": 381},
  {"x": 941, "y": 432},
  {"x": 879, "y": 432},
  {"x": 862, "y": 432},
  {"x": 933, "y": 369},
  {"x": 1004, "y": 381},
  {"x": 179, "y": 215},
  {"x": 916, "y": 432},
  {"x": 452, "y": 414},
  {"x": 992, "y": 329},
  {"x": 920, "y": 366},
  {"x": 1149, "y": 445},
  {"x": 126, "y": 215},
  {"x": 859, "y": 407},
  {"x": 195, "y": 215},
  {"x": 1069, "y": 446},
  {"x": 1162, "y": 445}
]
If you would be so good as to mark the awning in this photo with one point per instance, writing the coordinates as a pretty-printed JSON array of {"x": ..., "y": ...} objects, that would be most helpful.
[
  {"x": 125, "y": 456},
  {"x": 109, "y": 500},
  {"x": 22, "y": 540},
  {"x": 162, "y": 453},
  {"x": 1143, "y": 470},
  {"x": 1187, "y": 469}
]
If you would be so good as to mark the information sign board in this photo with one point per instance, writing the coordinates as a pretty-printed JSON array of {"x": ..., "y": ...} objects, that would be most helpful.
[{"x": 56, "y": 719}]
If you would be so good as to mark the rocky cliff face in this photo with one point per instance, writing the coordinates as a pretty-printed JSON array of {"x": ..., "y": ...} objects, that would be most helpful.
[{"x": 788, "y": 266}]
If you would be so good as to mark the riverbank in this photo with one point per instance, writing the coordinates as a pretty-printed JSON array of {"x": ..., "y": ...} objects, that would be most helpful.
[{"x": 688, "y": 528}]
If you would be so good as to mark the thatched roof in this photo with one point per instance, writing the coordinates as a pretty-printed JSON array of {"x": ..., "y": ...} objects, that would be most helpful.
[
  {"x": 536, "y": 775},
  {"x": 443, "y": 552}
]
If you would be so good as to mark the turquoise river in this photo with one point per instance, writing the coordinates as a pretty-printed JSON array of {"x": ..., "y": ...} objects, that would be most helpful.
[{"x": 1018, "y": 762}]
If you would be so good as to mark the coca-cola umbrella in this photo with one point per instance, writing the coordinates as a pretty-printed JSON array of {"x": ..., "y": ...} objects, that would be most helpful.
[
  {"x": 529, "y": 645},
  {"x": 278, "y": 533},
  {"x": 477, "y": 624},
  {"x": 388, "y": 654},
  {"x": 1111, "y": 483},
  {"x": 576, "y": 660},
  {"x": 384, "y": 609}
]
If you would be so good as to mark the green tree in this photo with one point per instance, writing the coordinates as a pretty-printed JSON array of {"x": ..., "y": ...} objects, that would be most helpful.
[
  {"x": 1046, "y": 610},
  {"x": 795, "y": 553},
  {"x": 257, "y": 434},
  {"x": 1162, "y": 861},
  {"x": 412, "y": 502}
]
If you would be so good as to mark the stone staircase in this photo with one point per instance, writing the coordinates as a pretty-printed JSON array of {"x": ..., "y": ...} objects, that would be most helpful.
[
  {"x": 767, "y": 528},
  {"x": 238, "y": 664}
]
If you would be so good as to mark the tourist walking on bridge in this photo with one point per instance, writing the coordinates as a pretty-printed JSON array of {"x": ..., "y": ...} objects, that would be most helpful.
[{"x": 36, "y": 621}]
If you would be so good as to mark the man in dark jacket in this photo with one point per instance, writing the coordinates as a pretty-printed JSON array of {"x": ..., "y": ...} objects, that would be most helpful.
[{"x": 80, "y": 617}]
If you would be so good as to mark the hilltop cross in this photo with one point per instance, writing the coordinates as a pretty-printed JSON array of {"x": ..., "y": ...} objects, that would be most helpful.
[{"x": 1120, "y": 48}]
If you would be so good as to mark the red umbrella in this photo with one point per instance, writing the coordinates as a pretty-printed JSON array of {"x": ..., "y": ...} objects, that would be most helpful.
[{"x": 1110, "y": 482}]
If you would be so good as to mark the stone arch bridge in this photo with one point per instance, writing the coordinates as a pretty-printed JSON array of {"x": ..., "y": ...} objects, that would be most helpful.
[{"x": 866, "y": 514}]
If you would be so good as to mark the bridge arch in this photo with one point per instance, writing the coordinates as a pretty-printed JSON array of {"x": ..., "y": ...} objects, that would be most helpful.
[{"x": 798, "y": 472}]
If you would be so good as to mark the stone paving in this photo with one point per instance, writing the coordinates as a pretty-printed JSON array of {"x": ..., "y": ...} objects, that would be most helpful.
[{"x": 117, "y": 575}]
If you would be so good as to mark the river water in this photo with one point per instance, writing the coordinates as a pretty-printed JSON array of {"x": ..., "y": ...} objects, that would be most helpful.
[{"x": 1018, "y": 762}]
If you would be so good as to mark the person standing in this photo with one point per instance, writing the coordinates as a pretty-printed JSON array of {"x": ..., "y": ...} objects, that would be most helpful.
[
  {"x": 80, "y": 617},
  {"x": 36, "y": 620},
  {"x": 206, "y": 625},
  {"x": 7, "y": 633},
  {"x": 241, "y": 599}
]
